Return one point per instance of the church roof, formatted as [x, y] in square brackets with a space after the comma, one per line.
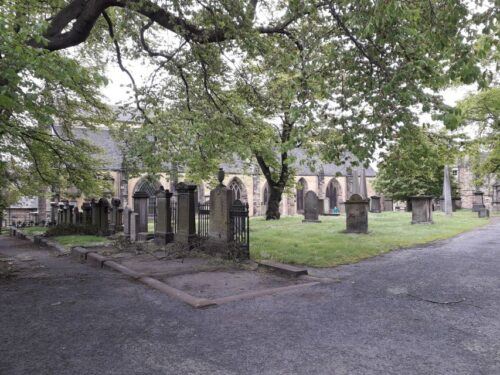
[112, 157]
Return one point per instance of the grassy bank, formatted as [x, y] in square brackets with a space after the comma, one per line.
[80, 240]
[324, 245]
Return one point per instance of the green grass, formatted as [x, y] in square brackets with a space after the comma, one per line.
[324, 245]
[32, 231]
[80, 240]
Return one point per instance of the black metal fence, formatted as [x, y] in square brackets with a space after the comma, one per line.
[240, 225]
[203, 219]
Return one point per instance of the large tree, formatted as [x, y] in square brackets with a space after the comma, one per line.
[414, 161]
[262, 77]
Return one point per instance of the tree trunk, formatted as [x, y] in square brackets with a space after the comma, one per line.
[273, 204]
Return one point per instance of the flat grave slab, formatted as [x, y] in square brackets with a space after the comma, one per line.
[217, 284]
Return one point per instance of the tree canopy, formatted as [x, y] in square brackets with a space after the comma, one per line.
[256, 78]
[414, 164]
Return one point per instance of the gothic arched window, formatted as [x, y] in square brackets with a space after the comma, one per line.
[237, 190]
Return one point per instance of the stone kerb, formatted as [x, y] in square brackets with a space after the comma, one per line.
[311, 208]
[356, 214]
[421, 212]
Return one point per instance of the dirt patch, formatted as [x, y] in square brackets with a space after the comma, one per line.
[217, 284]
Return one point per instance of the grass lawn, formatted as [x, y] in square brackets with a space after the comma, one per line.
[32, 231]
[324, 245]
[80, 240]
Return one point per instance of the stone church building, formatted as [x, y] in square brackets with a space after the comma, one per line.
[330, 182]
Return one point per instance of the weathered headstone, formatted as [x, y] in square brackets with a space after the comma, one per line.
[421, 212]
[477, 201]
[86, 214]
[141, 209]
[134, 224]
[186, 213]
[76, 216]
[363, 191]
[356, 209]
[375, 204]
[355, 182]
[53, 213]
[311, 208]
[388, 204]
[70, 213]
[220, 204]
[127, 212]
[116, 225]
[456, 203]
[94, 213]
[483, 212]
[447, 192]
[163, 228]
[326, 206]
[103, 223]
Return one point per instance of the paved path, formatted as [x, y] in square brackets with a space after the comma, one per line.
[430, 310]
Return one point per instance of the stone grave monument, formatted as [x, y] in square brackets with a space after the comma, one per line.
[186, 213]
[221, 199]
[375, 204]
[163, 228]
[311, 208]
[356, 209]
[421, 209]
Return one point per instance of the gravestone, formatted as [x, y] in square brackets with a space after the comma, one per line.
[134, 224]
[60, 214]
[375, 204]
[127, 212]
[421, 212]
[388, 204]
[163, 228]
[362, 182]
[186, 213]
[447, 208]
[219, 224]
[103, 223]
[326, 206]
[456, 203]
[86, 214]
[356, 209]
[116, 223]
[94, 213]
[66, 219]
[477, 201]
[311, 208]
[483, 212]
[355, 182]
[76, 216]
[53, 213]
[70, 213]
[141, 209]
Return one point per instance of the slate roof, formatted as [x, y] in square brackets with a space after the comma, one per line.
[112, 157]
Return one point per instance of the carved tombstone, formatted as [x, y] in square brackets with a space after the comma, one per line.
[127, 212]
[86, 214]
[163, 228]
[375, 204]
[421, 209]
[221, 199]
[186, 213]
[483, 212]
[477, 202]
[141, 208]
[356, 209]
[388, 204]
[76, 216]
[134, 224]
[116, 225]
[53, 213]
[103, 221]
[311, 208]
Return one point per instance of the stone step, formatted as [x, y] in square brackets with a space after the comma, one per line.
[283, 268]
